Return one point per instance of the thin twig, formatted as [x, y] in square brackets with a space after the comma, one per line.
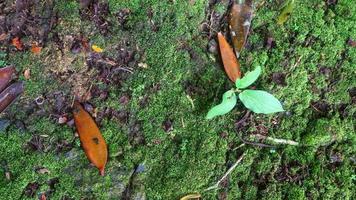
[254, 143]
[226, 174]
[241, 145]
[279, 141]
[296, 63]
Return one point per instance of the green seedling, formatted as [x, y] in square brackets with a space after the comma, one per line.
[258, 101]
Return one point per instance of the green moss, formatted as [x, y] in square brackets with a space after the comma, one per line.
[194, 156]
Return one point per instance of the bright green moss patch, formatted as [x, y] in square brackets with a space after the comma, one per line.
[180, 81]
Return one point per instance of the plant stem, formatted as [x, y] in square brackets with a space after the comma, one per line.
[279, 141]
[216, 185]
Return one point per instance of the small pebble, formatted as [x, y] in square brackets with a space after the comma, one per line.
[62, 120]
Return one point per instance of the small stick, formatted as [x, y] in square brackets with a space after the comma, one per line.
[226, 174]
[279, 141]
[297, 63]
[241, 145]
[191, 101]
[254, 143]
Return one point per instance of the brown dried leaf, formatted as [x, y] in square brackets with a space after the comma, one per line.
[17, 43]
[27, 74]
[3, 36]
[239, 24]
[6, 75]
[9, 95]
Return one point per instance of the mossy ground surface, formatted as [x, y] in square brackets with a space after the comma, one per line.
[310, 51]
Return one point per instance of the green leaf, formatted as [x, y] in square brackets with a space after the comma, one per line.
[286, 12]
[227, 104]
[248, 79]
[260, 101]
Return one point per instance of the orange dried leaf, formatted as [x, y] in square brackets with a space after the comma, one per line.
[17, 43]
[239, 24]
[231, 64]
[96, 48]
[92, 141]
[35, 48]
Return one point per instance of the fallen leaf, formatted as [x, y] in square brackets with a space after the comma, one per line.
[27, 74]
[85, 44]
[6, 75]
[17, 43]
[35, 48]
[42, 170]
[91, 139]
[9, 95]
[287, 10]
[43, 196]
[231, 64]
[3, 36]
[96, 48]
[191, 196]
[239, 24]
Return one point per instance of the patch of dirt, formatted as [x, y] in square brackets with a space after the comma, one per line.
[321, 108]
[292, 172]
[279, 78]
[31, 189]
[136, 136]
[122, 16]
[97, 12]
[26, 18]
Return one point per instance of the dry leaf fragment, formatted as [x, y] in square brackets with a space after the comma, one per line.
[27, 74]
[91, 139]
[43, 170]
[96, 48]
[6, 75]
[3, 36]
[35, 49]
[231, 64]
[239, 24]
[17, 43]
[191, 196]
[85, 44]
[43, 196]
